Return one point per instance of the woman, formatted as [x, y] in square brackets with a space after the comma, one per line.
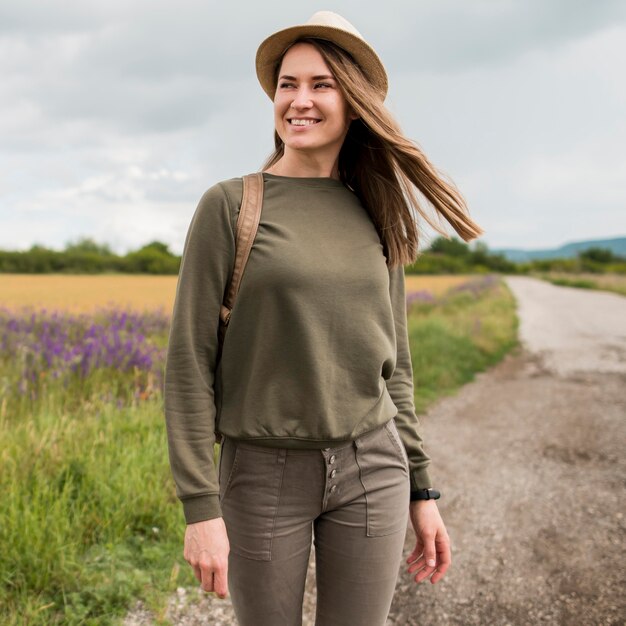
[313, 391]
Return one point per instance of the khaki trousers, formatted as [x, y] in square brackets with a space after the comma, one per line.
[353, 500]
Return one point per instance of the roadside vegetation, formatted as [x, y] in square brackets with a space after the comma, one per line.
[88, 257]
[89, 521]
[592, 268]
[587, 280]
[465, 330]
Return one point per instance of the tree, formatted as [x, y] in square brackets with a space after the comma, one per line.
[450, 247]
[599, 255]
[88, 245]
[153, 258]
[158, 247]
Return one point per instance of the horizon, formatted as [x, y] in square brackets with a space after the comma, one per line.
[470, 244]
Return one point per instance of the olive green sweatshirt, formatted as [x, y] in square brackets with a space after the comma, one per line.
[316, 351]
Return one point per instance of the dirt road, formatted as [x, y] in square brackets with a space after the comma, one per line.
[529, 458]
[530, 461]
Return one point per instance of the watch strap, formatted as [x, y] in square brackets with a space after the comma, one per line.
[425, 494]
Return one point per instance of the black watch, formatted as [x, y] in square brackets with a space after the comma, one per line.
[425, 494]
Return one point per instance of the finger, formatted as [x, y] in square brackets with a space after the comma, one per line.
[220, 581]
[423, 570]
[444, 560]
[430, 552]
[424, 573]
[440, 571]
[417, 551]
[197, 572]
[421, 562]
[438, 575]
[413, 556]
[444, 556]
[207, 579]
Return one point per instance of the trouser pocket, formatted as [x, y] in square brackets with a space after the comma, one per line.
[394, 435]
[383, 470]
[249, 497]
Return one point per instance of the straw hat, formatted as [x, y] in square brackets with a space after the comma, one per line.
[323, 25]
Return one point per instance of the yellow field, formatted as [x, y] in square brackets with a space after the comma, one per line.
[437, 285]
[139, 292]
[78, 293]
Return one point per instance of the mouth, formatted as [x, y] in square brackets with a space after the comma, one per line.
[303, 121]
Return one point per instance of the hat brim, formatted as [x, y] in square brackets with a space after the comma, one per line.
[273, 47]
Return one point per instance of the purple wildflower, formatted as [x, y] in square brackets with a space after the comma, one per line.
[66, 346]
[475, 286]
[422, 296]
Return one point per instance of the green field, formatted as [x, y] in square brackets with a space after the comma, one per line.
[89, 521]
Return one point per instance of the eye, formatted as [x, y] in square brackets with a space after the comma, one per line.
[286, 84]
[323, 85]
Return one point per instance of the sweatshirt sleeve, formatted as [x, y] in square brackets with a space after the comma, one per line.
[189, 405]
[400, 387]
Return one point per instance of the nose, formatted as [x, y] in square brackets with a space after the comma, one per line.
[302, 100]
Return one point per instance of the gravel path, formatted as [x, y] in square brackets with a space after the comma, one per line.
[529, 460]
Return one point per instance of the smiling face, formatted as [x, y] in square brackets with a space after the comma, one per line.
[310, 111]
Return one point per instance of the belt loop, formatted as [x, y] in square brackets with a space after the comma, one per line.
[282, 455]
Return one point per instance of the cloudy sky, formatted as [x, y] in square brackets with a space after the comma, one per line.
[116, 116]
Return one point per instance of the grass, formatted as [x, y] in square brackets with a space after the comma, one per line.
[89, 519]
[90, 522]
[454, 338]
[615, 283]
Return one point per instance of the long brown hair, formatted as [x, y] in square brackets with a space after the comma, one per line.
[384, 168]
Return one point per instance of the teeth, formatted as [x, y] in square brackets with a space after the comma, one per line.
[303, 122]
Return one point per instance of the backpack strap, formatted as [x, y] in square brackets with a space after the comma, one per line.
[247, 225]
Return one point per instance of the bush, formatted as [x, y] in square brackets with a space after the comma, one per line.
[87, 257]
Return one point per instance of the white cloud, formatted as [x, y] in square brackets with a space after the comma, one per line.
[116, 117]
[536, 145]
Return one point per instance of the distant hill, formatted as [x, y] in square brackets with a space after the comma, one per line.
[569, 250]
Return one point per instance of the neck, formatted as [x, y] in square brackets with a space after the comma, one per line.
[302, 166]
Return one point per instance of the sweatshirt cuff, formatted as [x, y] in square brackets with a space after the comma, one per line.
[201, 508]
[420, 479]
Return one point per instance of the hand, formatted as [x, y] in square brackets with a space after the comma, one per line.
[206, 550]
[432, 548]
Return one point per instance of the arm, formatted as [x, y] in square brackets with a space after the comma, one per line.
[431, 555]
[206, 266]
[400, 387]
